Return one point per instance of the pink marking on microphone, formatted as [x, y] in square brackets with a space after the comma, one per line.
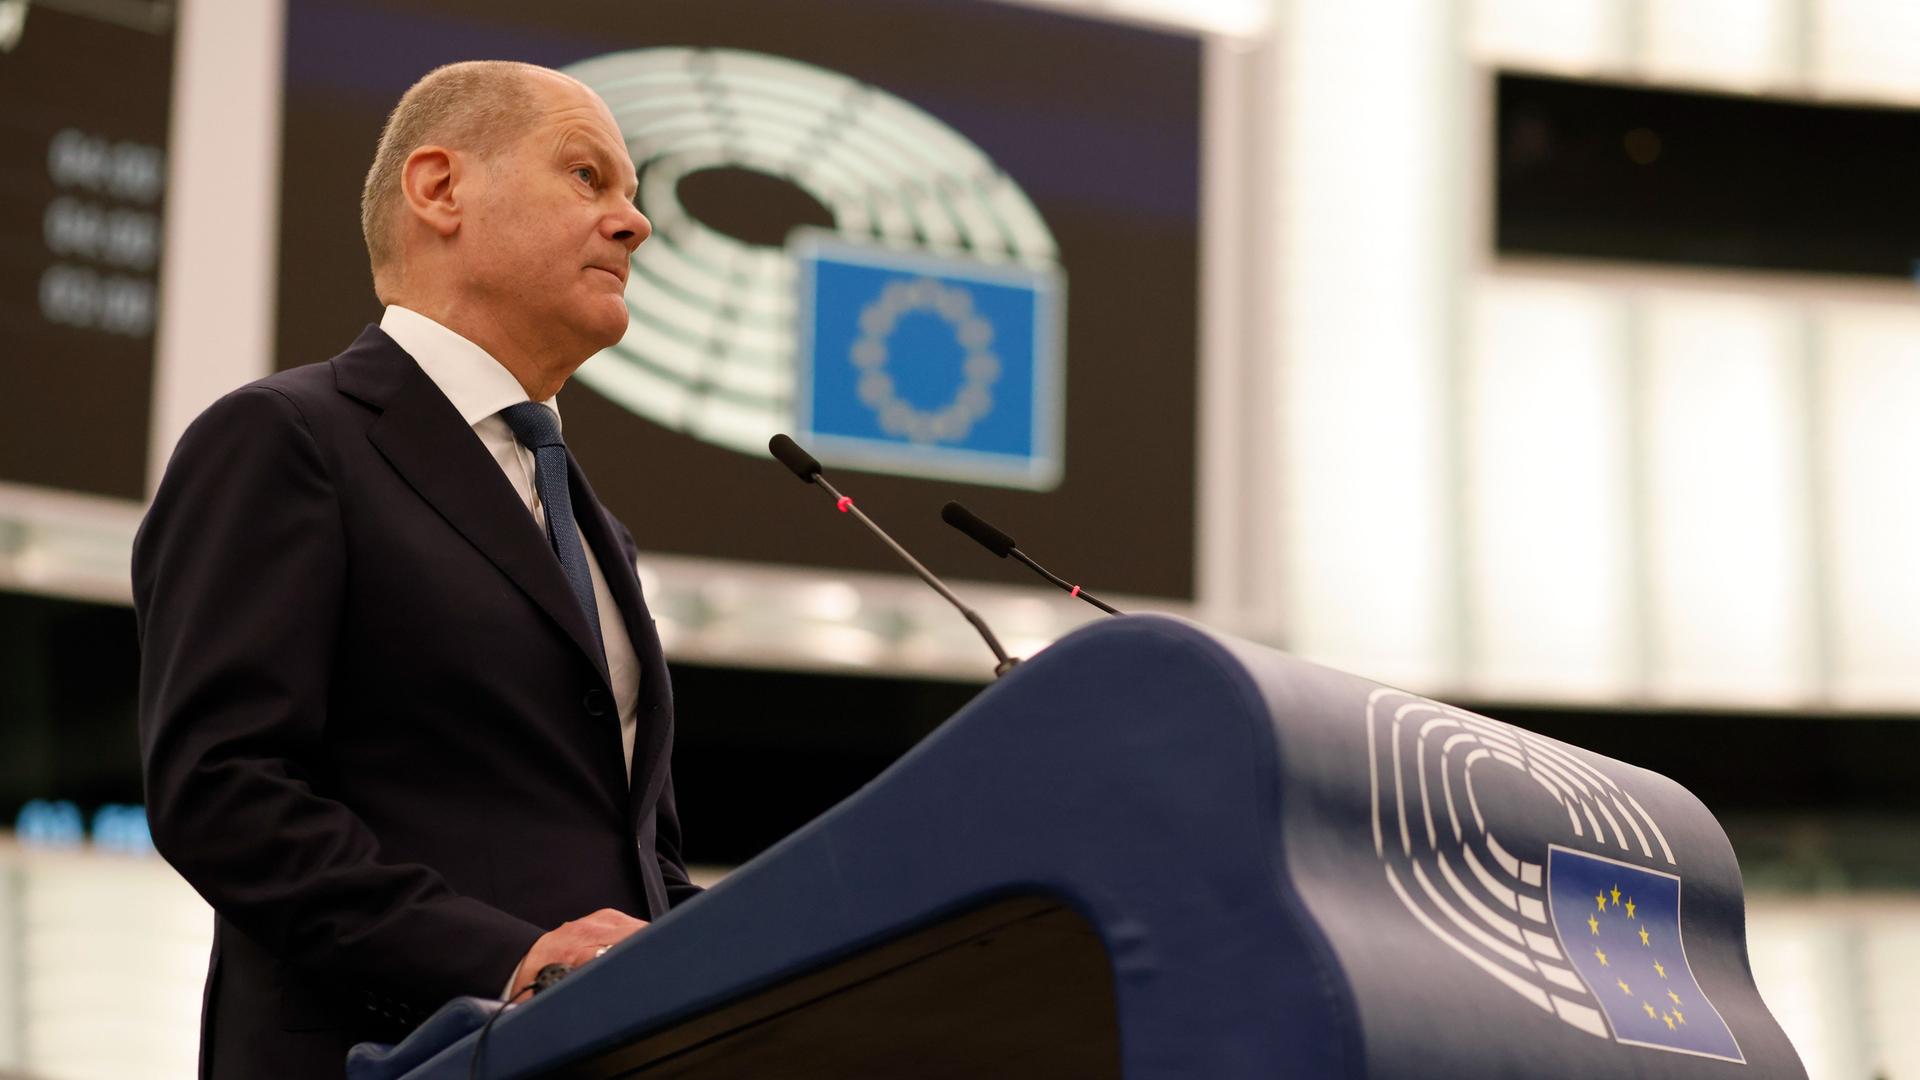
[844, 504]
[1075, 592]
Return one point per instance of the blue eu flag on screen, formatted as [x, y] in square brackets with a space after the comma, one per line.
[929, 365]
[1620, 927]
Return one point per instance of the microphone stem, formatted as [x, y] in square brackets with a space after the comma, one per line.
[1063, 584]
[999, 654]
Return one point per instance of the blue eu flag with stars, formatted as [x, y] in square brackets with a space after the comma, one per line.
[1620, 927]
[928, 365]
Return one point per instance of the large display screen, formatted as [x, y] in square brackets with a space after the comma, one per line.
[950, 244]
[84, 93]
[1656, 175]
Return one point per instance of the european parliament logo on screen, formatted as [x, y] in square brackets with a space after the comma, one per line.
[924, 365]
[919, 335]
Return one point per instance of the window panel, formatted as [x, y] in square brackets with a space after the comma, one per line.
[1870, 391]
[1724, 456]
[1547, 502]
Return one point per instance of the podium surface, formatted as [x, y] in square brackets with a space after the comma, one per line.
[1155, 851]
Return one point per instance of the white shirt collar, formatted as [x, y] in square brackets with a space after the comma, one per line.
[471, 378]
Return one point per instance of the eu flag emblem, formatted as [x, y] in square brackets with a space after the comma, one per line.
[1619, 925]
[927, 365]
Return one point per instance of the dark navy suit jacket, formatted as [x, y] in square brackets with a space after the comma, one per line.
[377, 735]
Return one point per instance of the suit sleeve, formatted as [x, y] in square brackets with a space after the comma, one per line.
[666, 846]
[238, 572]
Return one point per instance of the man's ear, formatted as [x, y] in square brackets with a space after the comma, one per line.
[429, 183]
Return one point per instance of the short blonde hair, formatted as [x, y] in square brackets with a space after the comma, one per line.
[480, 106]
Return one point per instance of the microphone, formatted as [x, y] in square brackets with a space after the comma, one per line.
[1002, 545]
[790, 455]
[807, 469]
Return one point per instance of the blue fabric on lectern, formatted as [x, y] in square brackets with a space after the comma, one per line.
[451, 1022]
[1295, 872]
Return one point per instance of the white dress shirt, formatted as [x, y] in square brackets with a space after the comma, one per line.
[479, 388]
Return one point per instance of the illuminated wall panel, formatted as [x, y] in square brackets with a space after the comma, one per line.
[11, 1050]
[1870, 393]
[1546, 483]
[1363, 325]
[1727, 558]
[1568, 35]
[1866, 48]
[1801, 962]
[1840, 976]
[1891, 985]
[1737, 44]
[112, 951]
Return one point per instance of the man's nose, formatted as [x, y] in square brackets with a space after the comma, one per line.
[630, 227]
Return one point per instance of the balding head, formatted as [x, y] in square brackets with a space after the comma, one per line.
[477, 106]
[500, 205]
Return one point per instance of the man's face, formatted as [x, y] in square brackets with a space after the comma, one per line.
[546, 242]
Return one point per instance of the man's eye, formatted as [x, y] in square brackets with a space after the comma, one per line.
[585, 173]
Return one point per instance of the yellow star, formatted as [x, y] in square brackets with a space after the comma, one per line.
[1643, 936]
[1668, 1017]
[1629, 907]
[1659, 968]
[1602, 901]
[1593, 924]
[1674, 996]
[1616, 896]
[1649, 1008]
[1602, 957]
[1622, 984]
[1678, 1016]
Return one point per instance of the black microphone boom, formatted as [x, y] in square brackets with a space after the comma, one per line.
[1002, 545]
[806, 468]
[794, 458]
[984, 534]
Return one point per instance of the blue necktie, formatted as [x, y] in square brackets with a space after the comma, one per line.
[538, 429]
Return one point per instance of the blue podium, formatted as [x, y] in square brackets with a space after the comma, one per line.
[1152, 851]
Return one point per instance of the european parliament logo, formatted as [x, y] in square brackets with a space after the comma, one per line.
[1589, 939]
[955, 372]
[1620, 926]
[928, 365]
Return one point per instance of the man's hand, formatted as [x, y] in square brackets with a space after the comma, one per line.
[574, 943]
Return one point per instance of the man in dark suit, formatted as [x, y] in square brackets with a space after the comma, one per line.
[404, 716]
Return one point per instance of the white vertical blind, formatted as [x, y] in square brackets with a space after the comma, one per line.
[1547, 501]
[1802, 962]
[1571, 36]
[1363, 104]
[112, 952]
[1728, 563]
[1735, 44]
[1890, 985]
[12, 1053]
[1866, 48]
[1841, 975]
[1870, 393]
[218, 262]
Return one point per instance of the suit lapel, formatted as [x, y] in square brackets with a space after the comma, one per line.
[423, 437]
[652, 722]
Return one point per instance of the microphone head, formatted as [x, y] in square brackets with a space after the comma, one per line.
[984, 534]
[793, 457]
